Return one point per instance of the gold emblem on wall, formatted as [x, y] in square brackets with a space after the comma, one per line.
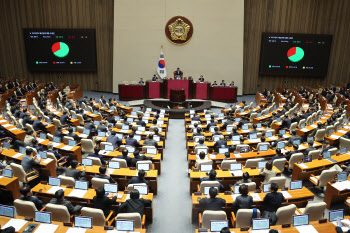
[179, 30]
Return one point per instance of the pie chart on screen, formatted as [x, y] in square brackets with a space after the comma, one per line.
[60, 49]
[295, 54]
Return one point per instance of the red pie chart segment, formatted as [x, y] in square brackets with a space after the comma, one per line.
[55, 47]
[291, 51]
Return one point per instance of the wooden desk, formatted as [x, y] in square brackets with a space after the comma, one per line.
[317, 166]
[299, 197]
[12, 130]
[12, 185]
[333, 195]
[61, 228]
[123, 175]
[74, 153]
[226, 178]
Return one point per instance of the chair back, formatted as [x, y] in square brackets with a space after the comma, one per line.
[333, 150]
[294, 159]
[320, 134]
[49, 136]
[315, 154]
[56, 123]
[122, 162]
[315, 210]
[238, 147]
[252, 163]
[98, 182]
[208, 184]
[131, 186]
[328, 129]
[293, 126]
[29, 127]
[95, 161]
[118, 125]
[251, 186]
[103, 144]
[302, 121]
[252, 116]
[19, 172]
[149, 162]
[326, 176]
[66, 180]
[226, 164]
[131, 216]
[80, 129]
[59, 213]
[244, 217]
[52, 156]
[87, 146]
[66, 139]
[344, 143]
[25, 208]
[80, 118]
[279, 164]
[98, 217]
[285, 214]
[205, 162]
[279, 180]
[209, 215]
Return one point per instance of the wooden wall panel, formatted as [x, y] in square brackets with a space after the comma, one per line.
[18, 14]
[296, 16]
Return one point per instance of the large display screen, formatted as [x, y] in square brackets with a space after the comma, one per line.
[60, 49]
[294, 54]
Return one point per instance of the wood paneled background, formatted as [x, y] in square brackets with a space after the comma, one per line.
[296, 16]
[18, 14]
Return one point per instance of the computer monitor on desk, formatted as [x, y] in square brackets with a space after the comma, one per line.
[42, 217]
[142, 166]
[335, 215]
[83, 222]
[206, 167]
[124, 225]
[143, 189]
[260, 224]
[263, 148]
[53, 181]
[342, 177]
[111, 188]
[217, 225]
[300, 220]
[298, 184]
[83, 185]
[206, 189]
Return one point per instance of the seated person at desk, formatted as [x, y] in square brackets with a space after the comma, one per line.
[201, 79]
[326, 146]
[243, 201]
[29, 137]
[139, 179]
[75, 173]
[202, 158]
[254, 130]
[97, 155]
[58, 199]
[58, 156]
[154, 78]
[28, 162]
[138, 157]
[131, 141]
[135, 204]
[280, 139]
[212, 122]
[115, 140]
[150, 141]
[272, 201]
[200, 143]
[140, 121]
[295, 150]
[103, 202]
[221, 143]
[246, 179]
[268, 172]
[286, 122]
[319, 126]
[125, 156]
[216, 130]
[223, 84]
[27, 195]
[234, 132]
[228, 122]
[198, 133]
[279, 155]
[103, 175]
[73, 135]
[35, 145]
[212, 203]
[228, 155]
[212, 177]
[294, 137]
[156, 133]
[64, 118]
[178, 74]
[141, 82]
[58, 132]
[38, 125]
[196, 117]
[311, 148]
[214, 84]
[232, 84]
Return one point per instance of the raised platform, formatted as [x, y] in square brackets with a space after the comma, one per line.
[174, 109]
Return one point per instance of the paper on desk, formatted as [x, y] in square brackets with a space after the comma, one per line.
[47, 160]
[285, 136]
[67, 148]
[54, 189]
[238, 155]
[46, 228]
[346, 127]
[255, 196]
[306, 228]
[123, 131]
[304, 130]
[335, 136]
[110, 170]
[115, 231]
[83, 135]
[237, 173]
[77, 193]
[254, 140]
[212, 156]
[345, 229]
[303, 165]
[12, 129]
[76, 230]
[7, 125]
[342, 185]
[1, 177]
[273, 138]
[260, 231]
[16, 223]
[234, 196]
[342, 131]
[17, 155]
[56, 144]
[2, 121]
[284, 150]
[286, 194]
[127, 197]
[40, 140]
[246, 131]
[302, 147]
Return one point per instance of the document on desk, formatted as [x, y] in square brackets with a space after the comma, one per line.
[212, 156]
[16, 223]
[2, 121]
[83, 135]
[127, 197]
[56, 144]
[301, 147]
[7, 125]
[246, 131]
[304, 130]
[346, 127]
[286, 194]
[1, 177]
[342, 131]
[45, 161]
[342, 185]
[254, 140]
[54, 189]
[345, 229]
[237, 173]
[255, 196]
[76, 230]
[110, 170]
[46, 228]
[238, 155]
[335, 136]
[77, 193]
[123, 131]
[306, 228]
[17, 155]
[285, 136]
[12, 129]
[303, 165]
[68, 148]
[40, 140]
[273, 138]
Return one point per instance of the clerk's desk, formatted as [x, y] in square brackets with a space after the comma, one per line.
[61, 228]
[12, 185]
[123, 175]
[300, 198]
[41, 191]
[47, 166]
[333, 195]
[320, 227]
[315, 167]
[226, 178]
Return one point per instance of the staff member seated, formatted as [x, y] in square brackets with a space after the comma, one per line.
[138, 180]
[272, 202]
[223, 84]
[178, 74]
[135, 204]
[212, 177]
[27, 195]
[102, 202]
[212, 203]
[59, 200]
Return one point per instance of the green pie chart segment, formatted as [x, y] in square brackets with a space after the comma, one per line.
[295, 54]
[60, 49]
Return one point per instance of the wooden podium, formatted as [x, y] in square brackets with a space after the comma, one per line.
[177, 96]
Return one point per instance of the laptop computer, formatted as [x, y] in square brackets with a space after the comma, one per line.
[266, 188]
[42, 136]
[245, 127]
[310, 139]
[236, 189]
[263, 148]
[342, 177]
[7, 211]
[101, 134]
[235, 166]
[216, 138]
[236, 138]
[110, 188]
[83, 222]
[124, 225]
[114, 165]
[300, 220]
[297, 184]
[142, 166]
[262, 164]
[335, 215]
[86, 131]
[42, 217]
[222, 151]
[217, 225]
[53, 181]
[130, 149]
[206, 189]
[296, 142]
[260, 224]
[137, 137]
[327, 155]
[96, 123]
[87, 162]
[143, 189]
[282, 131]
[206, 167]
[84, 185]
[6, 145]
[22, 150]
[7, 173]
[229, 128]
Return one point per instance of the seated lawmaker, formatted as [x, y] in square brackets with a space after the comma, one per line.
[202, 158]
[97, 155]
[268, 172]
[223, 84]
[244, 201]
[103, 202]
[75, 173]
[212, 203]
[58, 199]
[212, 177]
[272, 201]
[27, 195]
[135, 204]
[125, 156]
[102, 175]
[139, 179]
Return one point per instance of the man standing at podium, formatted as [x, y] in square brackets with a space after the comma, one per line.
[178, 74]
[201, 79]
[154, 78]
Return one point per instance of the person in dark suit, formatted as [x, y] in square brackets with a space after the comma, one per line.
[27, 120]
[38, 125]
[201, 79]
[125, 156]
[103, 175]
[319, 126]
[131, 141]
[114, 139]
[58, 132]
[102, 202]
[294, 137]
[286, 122]
[150, 141]
[27, 195]
[58, 156]
[212, 123]
[295, 118]
[17, 111]
[278, 155]
[223, 84]
[140, 121]
[221, 143]
[196, 118]
[243, 201]
[246, 179]
[234, 132]
[295, 150]
[73, 135]
[138, 180]
[272, 201]
[58, 199]
[326, 146]
[103, 99]
[228, 122]
[311, 148]
[2, 90]
[135, 204]
[254, 130]
[28, 162]
[141, 82]
[96, 155]
[65, 118]
[154, 78]
[75, 173]
[138, 157]
[212, 203]
[216, 130]
[16, 83]
[212, 177]
[23, 90]
[178, 73]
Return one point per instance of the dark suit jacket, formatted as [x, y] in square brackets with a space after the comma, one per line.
[27, 120]
[28, 163]
[38, 203]
[127, 159]
[67, 204]
[114, 140]
[311, 148]
[64, 119]
[110, 179]
[134, 206]
[73, 135]
[58, 134]
[243, 202]
[210, 125]
[293, 138]
[98, 156]
[273, 201]
[132, 142]
[150, 142]
[139, 158]
[75, 173]
[104, 204]
[141, 122]
[218, 144]
[212, 203]
[37, 125]
[295, 119]
[136, 180]
[286, 124]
